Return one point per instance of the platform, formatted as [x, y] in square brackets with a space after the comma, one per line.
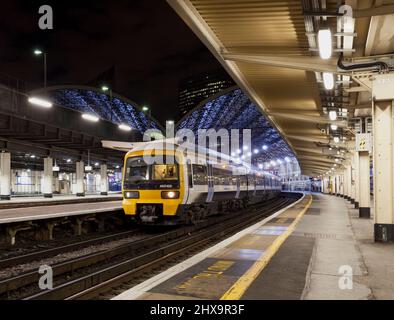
[57, 211]
[316, 249]
[32, 201]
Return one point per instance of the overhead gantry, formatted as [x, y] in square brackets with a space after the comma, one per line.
[321, 73]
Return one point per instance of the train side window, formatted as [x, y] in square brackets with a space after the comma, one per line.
[199, 174]
[259, 180]
[222, 177]
[243, 181]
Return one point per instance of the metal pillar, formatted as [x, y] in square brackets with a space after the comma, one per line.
[365, 192]
[352, 181]
[5, 176]
[345, 183]
[56, 183]
[333, 185]
[383, 138]
[48, 178]
[37, 185]
[349, 181]
[80, 175]
[103, 180]
[356, 180]
[341, 185]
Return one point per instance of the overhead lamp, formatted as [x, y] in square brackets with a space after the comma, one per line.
[261, 166]
[265, 148]
[124, 127]
[38, 52]
[332, 115]
[105, 88]
[239, 151]
[336, 160]
[256, 151]
[249, 154]
[328, 80]
[40, 102]
[287, 159]
[145, 108]
[334, 127]
[245, 147]
[324, 40]
[68, 160]
[90, 117]
[336, 139]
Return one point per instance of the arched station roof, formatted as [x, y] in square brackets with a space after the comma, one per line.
[106, 105]
[232, 109]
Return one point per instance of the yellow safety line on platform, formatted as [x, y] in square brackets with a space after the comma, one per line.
[242, 284]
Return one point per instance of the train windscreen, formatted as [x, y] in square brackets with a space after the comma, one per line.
[140, 175]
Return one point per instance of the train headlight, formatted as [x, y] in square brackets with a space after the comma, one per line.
[170, 194]
[132, 195]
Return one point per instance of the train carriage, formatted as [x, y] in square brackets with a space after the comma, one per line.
[161, 185]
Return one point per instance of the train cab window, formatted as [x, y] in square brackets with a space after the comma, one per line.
[141, 175]
[199, 174]
[165, 172]
[136, 169]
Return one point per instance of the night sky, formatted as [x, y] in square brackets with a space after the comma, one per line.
[148, 44]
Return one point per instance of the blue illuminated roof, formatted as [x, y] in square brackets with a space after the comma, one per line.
[116, 110]
[234, 110]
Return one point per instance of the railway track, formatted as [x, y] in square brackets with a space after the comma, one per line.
[41, 254]
[97, 273]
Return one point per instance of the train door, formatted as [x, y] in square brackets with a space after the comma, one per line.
[238, 187]
[210, 183]
[254, 185]
[250, 185]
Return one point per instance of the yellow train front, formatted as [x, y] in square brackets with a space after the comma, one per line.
[161, 187]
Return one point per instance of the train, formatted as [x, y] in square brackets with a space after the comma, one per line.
[163, 185]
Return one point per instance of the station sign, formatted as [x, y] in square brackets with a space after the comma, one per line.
[363, 142]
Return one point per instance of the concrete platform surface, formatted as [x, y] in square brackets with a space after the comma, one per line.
[56, 211]
[225, 270]
[328, 252]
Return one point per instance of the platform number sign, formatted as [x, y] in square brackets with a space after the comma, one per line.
[363, 142]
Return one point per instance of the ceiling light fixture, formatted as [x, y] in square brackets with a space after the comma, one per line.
[324, 39]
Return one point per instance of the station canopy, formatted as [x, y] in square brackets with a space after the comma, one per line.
[271, 50]
[106, 105]
[234, 110]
